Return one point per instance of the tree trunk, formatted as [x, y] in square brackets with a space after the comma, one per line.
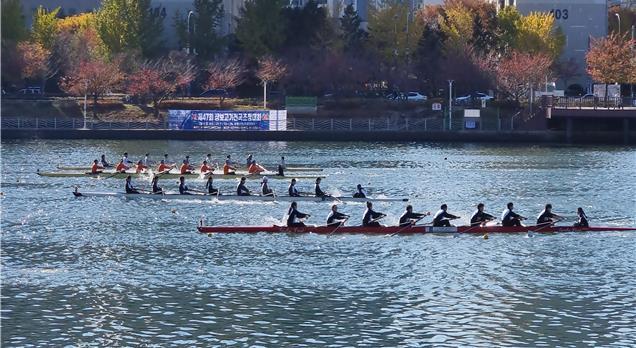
[95, 96]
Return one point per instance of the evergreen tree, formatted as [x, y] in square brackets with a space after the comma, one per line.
[207, 18]
[260, 27]
[13, 27]
[352, 36]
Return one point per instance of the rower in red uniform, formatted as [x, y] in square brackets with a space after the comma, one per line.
[96, 168]
[121, 167]
[163, 167]
[185, 168]
[140, 167]
[205, 168]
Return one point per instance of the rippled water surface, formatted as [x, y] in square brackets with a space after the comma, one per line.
[110, 271]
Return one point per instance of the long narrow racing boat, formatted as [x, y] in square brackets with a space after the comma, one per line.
[112, 174]
[405, 230]
[199, 196]
[287, 169]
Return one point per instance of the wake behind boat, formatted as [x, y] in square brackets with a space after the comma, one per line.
[201, 196]
[408, 230]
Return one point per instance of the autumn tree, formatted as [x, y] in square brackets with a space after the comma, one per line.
[534, 33]
[519, 72]
[225, 74]
[611, 60]
[158, 79]
[269, 70]
[93, 78]
[77, 41]
[44, 26]
[260, 28]
[36, 62]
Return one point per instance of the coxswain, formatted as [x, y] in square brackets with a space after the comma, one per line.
[205, 168]
[294, 216]
[228, 167]
[319, 191]
[241, 190]
[265, 190]
[140, 167]
[442, 217]
[125, 159]
[360, 192]
[291, 190]
[96, 168]
[281, 166]
[104, 163]
[155, 185]
[480, 217]
[547, 216]
[410, 218]
[209, 187]
[121, 167]
[510, 218]
[185, 168]
[370, 217]
[183, 188]
[163, 167]
[582, 222]
[335, 217]
[129, 186]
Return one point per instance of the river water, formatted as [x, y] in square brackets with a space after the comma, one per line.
[116, 272]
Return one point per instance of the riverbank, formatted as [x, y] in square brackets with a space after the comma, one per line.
[558, 137]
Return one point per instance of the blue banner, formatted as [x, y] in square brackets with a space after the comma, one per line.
[218, 120]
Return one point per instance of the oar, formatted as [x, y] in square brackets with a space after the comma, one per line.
[410, 224]
[339, 225]
[115, 173]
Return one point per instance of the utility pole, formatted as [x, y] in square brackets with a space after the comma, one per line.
[85, 92]
[450, 104]
[619, 23]
[189, 46]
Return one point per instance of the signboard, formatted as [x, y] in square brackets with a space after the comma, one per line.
[301, 105]
[437, 106]
[255, 120]
[613, 90]
[471, 113]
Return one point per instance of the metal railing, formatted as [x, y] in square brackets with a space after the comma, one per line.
[293, 124]
[593, 103]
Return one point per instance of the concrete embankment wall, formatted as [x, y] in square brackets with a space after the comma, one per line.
[455, 136]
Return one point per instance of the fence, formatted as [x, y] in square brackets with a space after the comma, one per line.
[593, 102]
[296, 124]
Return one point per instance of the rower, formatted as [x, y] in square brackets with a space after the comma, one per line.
[208, 158]
[370, 217]
[163, 167]
[96, 168]
[140, 167]
[165, 158]
[121, 167]
[147, 161]
[480, 217]
[410, 218]
[125, 159]
[582, 222]
[360, 192]
[185, 168]
[249, 161]
[241, 190]
[155, 185]
[104, 163]
[265, 190]
[292, 191]
[183, 188]
[281, 166]
[205, 168]
[129, 186]
[228, 167]
[187, 161]
[210, 188]
[335, 217]
[442, 217]
[547, 216]
[255, 168]
[294, 216]
[510, 218]
[318, 190]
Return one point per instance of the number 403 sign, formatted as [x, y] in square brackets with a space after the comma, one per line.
[560, 14]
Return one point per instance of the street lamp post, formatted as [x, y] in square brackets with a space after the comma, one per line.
[189, 33]
[619, 22]
[85, 92]
[450, 104]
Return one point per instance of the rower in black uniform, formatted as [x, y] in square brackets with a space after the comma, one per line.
[183, 188]
[209, 186]
[360, 192]
[292, 191]
[370, 217]
[319, 191]
[510, 218]
[281, 166]
[547, 216]
[105, 163]
[480, 217]
[409, 217]
[582, 218]
[155, 185]
[442, 217]
[335, 217]
[129, 186]
[241, 190]
[294, 216]
[265, 190]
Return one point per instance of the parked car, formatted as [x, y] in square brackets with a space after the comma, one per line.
[30, 90]
[473, 97]
[415, 96]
